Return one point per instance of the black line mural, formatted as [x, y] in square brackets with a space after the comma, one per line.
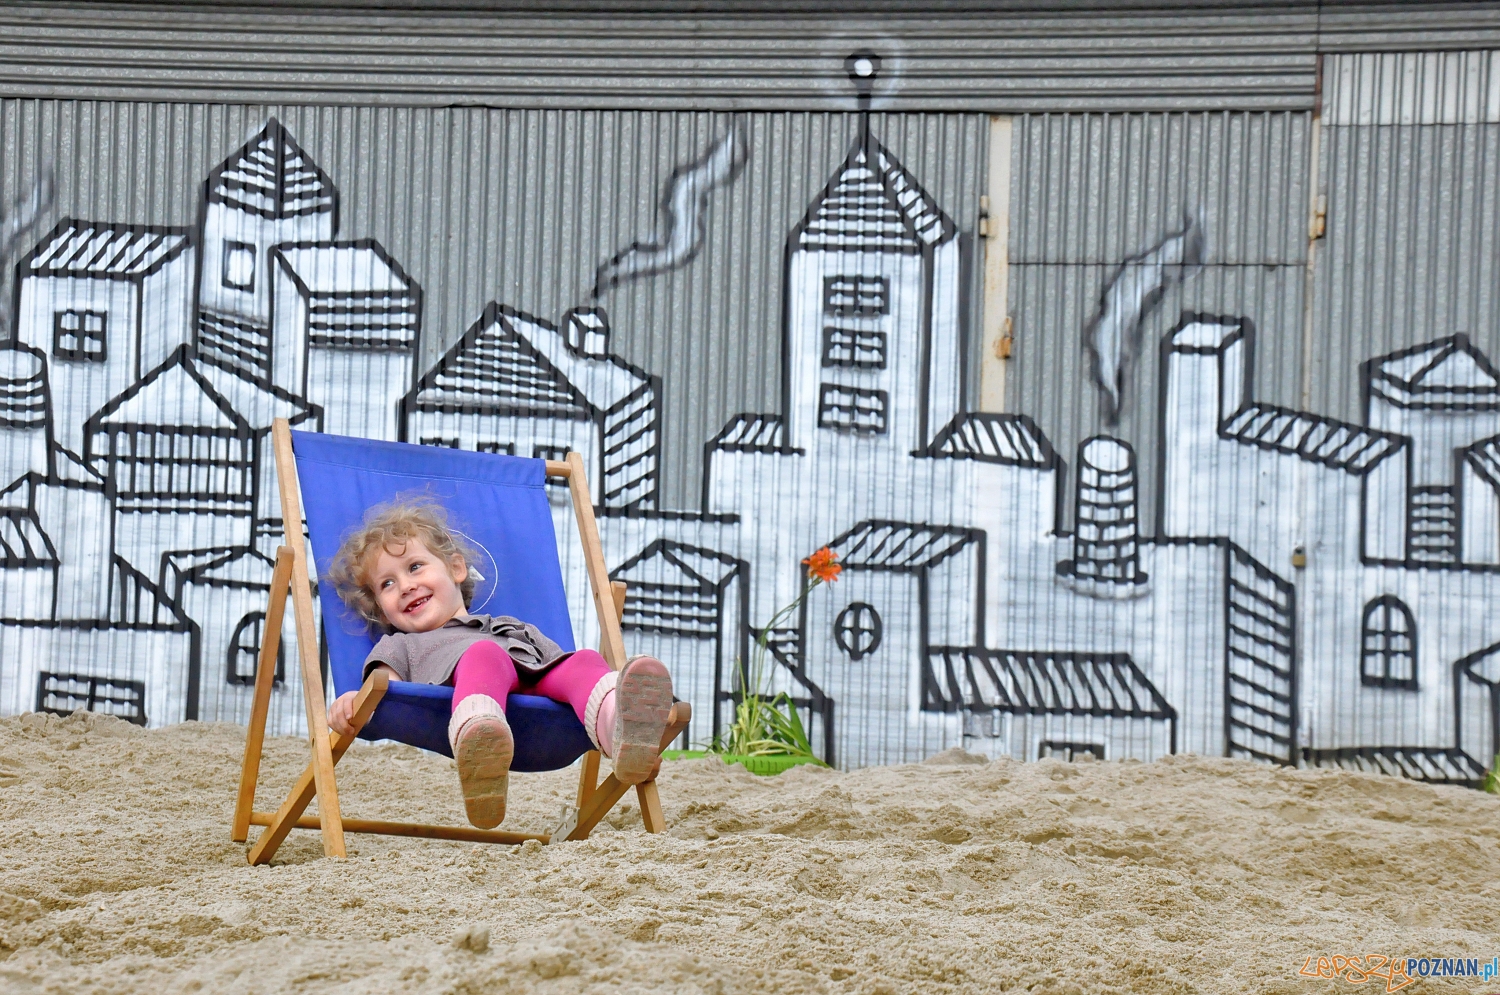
[138, 521]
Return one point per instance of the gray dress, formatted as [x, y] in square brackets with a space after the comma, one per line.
[429, 657]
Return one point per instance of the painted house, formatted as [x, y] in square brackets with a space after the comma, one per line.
[953, 622]
[346, 329]
[77, 600]
[1397, 620]
[103, 303]
[140, 457]
[517, 384]
[267, 193]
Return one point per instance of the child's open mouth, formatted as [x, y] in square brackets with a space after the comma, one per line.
[417, 605]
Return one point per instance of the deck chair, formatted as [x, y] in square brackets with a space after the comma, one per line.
[500, 504]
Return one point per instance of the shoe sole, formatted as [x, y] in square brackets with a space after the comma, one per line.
[485, 750]
[643, 703]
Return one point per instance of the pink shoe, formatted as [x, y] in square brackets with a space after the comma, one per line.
[643, 704]
[483, 748]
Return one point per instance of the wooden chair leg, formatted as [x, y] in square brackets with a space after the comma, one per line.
[265, 674]
[307, 641]
[580, 823]
[650, 801]
[588, 777]
[285, 819]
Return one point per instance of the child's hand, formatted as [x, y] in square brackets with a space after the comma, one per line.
[341, 714]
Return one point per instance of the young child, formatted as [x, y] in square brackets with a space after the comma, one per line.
[406, 573]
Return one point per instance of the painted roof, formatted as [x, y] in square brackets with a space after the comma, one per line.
[493, 369]
[197, 396]
[357, 295]
[752, 433]
[271, 176]
[104, 250]
[174, 394]
[1024, 682]
[344, 268]
[1446, 374]
[1484, 457]
[1316, 439]
[873, 205]
[674, 588]
[994, 438]
[22, 541]
[882, 545]
[222, 566]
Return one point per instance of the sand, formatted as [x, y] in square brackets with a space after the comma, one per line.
[1188, 875]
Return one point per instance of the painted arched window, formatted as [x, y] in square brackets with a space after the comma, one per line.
[1388, 645]
[244, 651]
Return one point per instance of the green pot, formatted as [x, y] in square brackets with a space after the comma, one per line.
[765, 766]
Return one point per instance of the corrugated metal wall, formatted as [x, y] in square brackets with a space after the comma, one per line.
[1411, 155]
[1248, 574]
[1090, 191]
[521, 207]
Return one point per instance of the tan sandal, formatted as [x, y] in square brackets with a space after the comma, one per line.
[483, 748]
[643, 705]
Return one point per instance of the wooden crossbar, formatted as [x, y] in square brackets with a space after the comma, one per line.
[265, 674]
[327, 748]
[420, 830]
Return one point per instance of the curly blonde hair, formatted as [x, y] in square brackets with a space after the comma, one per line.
[390, 527]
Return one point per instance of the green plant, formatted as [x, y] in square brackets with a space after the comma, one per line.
[769, 725]
[1492, 777]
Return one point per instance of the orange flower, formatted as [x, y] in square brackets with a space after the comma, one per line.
[820, 565]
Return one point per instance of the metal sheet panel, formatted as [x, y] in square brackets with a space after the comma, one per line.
[1413, 245]
[1091, 191]
[1411, 88]
[964, 58]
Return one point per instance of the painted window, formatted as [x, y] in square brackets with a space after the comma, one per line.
[196, 464]
[1388, 645]
[502, 448]
[852, 407]
[79, 335]
[239, 266]
[858, 630]
[856, 296]
[1069, 751]
[63, 694]
[853, 347]
[244, 651]
[442, 442]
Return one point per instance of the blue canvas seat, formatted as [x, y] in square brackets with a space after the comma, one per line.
[500, 505]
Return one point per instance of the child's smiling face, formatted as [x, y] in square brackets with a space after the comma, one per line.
[416, 590]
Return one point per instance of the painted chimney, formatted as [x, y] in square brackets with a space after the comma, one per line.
[1106, 559]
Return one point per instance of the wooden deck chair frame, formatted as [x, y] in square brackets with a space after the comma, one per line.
[291, 574]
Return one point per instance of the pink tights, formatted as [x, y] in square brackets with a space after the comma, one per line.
[485, 668]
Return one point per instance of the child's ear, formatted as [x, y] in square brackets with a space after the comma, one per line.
[458, 569]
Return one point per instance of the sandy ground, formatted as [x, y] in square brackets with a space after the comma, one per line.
[1189, 875]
